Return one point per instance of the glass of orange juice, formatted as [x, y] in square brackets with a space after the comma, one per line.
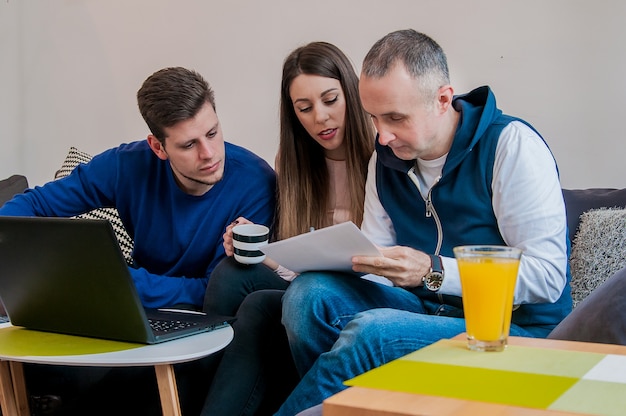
[488, 277]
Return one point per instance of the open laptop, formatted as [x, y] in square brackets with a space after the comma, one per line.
[69, 276]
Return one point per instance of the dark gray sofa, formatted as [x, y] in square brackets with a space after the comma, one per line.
[577, 202]
[12, 186]
[598, 265]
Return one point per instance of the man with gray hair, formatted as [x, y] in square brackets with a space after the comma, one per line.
[448, 171]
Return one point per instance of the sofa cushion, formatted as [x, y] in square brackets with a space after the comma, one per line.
[601, 317]
[73, 159]
[12, 186]
[578, 201]
[599, 250]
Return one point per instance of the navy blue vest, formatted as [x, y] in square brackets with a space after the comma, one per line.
[462, 198]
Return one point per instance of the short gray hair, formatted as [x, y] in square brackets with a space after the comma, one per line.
[422, 57]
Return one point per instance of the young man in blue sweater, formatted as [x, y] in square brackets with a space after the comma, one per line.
[448, 170]
[175, 193]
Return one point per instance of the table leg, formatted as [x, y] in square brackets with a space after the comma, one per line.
[168, 390]
[13, 396]
[19, 387]
[7, 398]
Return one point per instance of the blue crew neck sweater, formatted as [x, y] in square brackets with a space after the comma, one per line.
[177, 236]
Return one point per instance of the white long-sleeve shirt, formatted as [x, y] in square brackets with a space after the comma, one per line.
[529, 207]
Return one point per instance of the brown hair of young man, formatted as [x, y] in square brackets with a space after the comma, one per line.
[171, 95]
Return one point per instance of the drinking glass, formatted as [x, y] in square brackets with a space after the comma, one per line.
[488, 277]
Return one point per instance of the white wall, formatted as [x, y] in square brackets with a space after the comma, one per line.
[70, 69]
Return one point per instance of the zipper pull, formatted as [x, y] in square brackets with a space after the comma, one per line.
[429, 207]
[428, 200]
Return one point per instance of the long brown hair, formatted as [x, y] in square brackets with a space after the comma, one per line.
[303, 178]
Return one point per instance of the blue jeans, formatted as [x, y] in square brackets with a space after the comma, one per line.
[340, 326]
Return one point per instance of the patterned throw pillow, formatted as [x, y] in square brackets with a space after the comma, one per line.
[73, 159]
[598, 250]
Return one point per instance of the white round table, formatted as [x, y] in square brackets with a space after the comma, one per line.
[13, 396]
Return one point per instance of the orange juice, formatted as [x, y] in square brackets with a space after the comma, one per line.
[488, 286]
[488, 277]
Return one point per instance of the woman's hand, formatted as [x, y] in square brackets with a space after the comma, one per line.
[228, 235]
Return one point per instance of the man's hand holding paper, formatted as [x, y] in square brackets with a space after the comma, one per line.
[404, 266]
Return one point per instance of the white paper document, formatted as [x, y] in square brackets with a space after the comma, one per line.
[330, 248]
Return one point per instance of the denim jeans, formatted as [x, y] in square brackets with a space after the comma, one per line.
[340, 326]
[317, 306]
[256, 372]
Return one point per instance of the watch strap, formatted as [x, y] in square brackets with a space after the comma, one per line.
[436, 264]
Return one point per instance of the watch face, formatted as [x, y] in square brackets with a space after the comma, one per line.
[433, 281]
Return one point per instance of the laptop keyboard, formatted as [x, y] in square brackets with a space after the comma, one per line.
[161, 325]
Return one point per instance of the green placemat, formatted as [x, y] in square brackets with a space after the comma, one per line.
[514, 358]
[17, 341]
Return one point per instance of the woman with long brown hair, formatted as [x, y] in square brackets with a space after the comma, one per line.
[326, 140]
